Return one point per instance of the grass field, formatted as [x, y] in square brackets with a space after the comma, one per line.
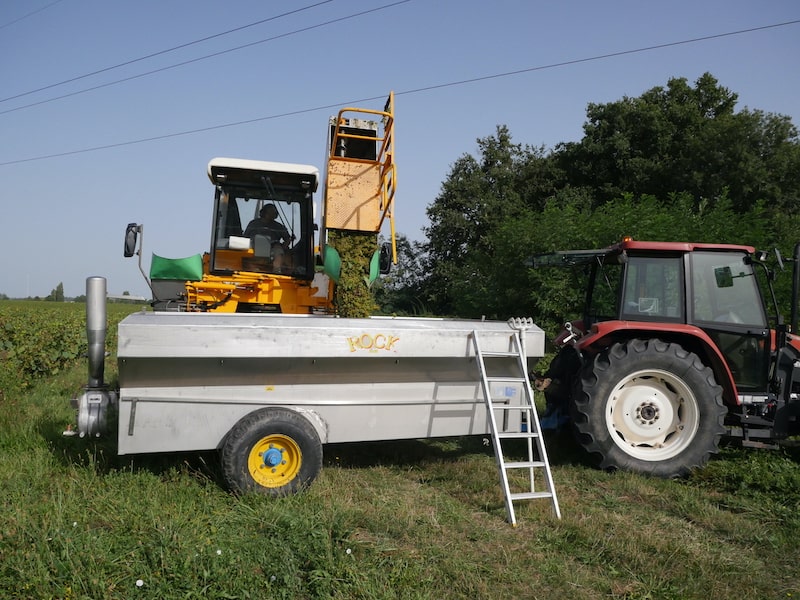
[415, 519]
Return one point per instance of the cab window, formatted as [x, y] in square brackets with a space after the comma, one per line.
[652, 289]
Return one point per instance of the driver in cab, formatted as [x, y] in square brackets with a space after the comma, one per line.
[267, 225]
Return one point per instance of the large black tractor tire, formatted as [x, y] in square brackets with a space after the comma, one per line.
[649, 406]
[273, 451]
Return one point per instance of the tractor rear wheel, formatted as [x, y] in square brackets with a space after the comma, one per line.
[649, 406]
[273, 451]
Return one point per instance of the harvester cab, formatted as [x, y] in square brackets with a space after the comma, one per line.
[263, 217]
[262, 241]
[267, 253]
[261, 257]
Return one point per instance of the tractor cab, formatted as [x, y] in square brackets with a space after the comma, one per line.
[675, 287]
[679, 343]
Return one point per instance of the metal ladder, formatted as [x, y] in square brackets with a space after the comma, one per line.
[527, 408]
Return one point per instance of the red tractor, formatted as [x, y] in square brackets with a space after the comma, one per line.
[677, 347]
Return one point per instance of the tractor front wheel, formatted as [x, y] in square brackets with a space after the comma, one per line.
[273, 451]
[649, 406]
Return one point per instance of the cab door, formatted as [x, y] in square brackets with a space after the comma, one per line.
[725, 301]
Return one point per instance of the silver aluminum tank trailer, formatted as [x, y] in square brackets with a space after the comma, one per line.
[269, 390]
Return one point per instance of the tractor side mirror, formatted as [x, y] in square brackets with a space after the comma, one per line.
[131, 237]
[385, 260]
[724, 277]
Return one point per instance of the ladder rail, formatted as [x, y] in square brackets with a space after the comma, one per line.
[523, 365]
[540, 445]
[498, 452]
[526, 406]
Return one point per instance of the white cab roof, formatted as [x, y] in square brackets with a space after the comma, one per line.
[216, 165]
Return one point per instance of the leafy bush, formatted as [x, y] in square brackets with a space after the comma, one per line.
[39, 339]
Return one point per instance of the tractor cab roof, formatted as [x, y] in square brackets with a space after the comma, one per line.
[612, 254]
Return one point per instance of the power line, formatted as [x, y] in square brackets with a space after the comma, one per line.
[401, 93]
[594, 58]
[25, 16]
[154, 54]
[193, 131]
[200, 58]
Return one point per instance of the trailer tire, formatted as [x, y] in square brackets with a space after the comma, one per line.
[272, 451]
[649, 406]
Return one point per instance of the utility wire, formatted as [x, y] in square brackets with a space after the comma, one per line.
[401, 93]
[200, 58]
[193, 131]
[154, 54]
[594, 58]
[30, 14]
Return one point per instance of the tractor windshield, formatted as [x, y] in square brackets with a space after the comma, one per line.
[726, 290]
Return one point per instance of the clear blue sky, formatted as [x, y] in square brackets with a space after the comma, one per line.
[64, 217]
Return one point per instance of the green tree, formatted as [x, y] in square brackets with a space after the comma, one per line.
[677, 163]
[56, 295]
[681, 138]
[480, 194]
[399, 291]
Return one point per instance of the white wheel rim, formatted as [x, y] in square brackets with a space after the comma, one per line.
[652, 415]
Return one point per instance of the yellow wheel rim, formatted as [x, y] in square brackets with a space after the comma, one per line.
[274, 461]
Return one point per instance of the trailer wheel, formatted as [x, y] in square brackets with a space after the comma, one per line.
[272, 451]
[649, 406]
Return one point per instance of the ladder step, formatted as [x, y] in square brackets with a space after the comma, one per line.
[531, 495]
[509, 379]
[517, 435]
[496, 404]
[525, 464]
[498, 354]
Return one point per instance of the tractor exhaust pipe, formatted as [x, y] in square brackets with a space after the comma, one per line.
[97, 400]
[96, 329]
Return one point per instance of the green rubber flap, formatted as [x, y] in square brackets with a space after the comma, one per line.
[375, 266]
[332, 263]
[186, 269]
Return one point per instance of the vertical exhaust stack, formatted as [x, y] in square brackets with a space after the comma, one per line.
[96, 401]
[96, 329]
